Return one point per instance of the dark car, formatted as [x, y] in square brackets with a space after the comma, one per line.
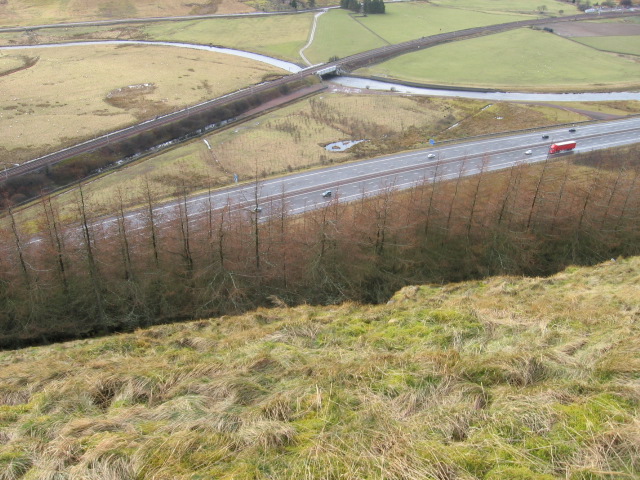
[545, 136]
[572, 130]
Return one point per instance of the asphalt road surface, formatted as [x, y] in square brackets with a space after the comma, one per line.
[302, 192]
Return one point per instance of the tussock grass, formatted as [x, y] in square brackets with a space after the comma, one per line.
[486, 379]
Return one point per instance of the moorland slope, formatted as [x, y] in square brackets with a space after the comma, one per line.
[508, 377]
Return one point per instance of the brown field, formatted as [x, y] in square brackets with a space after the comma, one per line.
[103, 88]
[37, 12]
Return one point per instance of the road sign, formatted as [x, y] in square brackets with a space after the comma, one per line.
[432, 141]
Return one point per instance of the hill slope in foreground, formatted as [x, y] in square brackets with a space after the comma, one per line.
[506, 378]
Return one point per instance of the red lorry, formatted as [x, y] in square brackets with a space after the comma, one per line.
[562, 147]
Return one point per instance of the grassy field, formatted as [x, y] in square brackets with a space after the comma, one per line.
[252, 34]
[494, 379]
[528, 7]
[45, 107]
[341, 33]
[293, 138]
[39, 12]
[542, 62]
[629, 45]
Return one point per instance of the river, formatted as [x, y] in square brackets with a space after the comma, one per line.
[363, 84]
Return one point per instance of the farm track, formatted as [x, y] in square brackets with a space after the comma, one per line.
[343, 65]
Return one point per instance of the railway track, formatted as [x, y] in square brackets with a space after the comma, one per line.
[349, 63]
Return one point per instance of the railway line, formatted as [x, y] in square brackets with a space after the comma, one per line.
[349, 63]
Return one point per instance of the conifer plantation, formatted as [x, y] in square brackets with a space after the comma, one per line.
[88, 277]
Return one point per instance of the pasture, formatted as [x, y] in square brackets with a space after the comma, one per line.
[342, 33]
[280, 37]
[528, 7]
[254, 34]
[74, 93]
[628, 45]
[523, 59]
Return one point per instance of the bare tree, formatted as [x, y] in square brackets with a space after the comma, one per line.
[537, 192]
[627, 197]
[461, 171]
[485, 161]
[594, 179]
[560, 197]
[19, 250]
[89, 250]
[434, 181]
[152, 223]
[123, 236]
[183, 208]
[255, 219]
[53, 229]
[612, 192]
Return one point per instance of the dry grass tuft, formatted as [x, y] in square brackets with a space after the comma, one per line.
[479, 380]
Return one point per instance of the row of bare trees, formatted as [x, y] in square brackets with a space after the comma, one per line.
[160, 265]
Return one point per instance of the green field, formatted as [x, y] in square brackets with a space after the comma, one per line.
[251, 34]
[629, 45]
[507, 378]
[342, 33]
[540, 62]
[549, 7]
[71, 94]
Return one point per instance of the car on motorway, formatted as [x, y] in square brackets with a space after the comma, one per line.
[256, 209]
[545, 136]
[326, 194]
[528, 152]
[572, 130]
[431, 155]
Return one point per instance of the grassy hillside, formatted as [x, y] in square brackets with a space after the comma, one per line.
[506, 378]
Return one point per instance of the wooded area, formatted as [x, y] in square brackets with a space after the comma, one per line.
[86, 279]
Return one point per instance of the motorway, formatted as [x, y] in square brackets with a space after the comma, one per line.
[302, 192]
